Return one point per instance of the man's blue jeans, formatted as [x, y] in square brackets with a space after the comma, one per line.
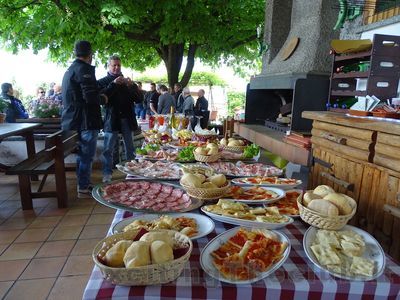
[110, 138]
[86, 152]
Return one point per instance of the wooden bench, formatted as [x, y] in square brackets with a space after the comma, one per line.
[49, 125]
[48, 161]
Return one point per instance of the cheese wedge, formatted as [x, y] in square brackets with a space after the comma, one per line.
[325, 255]
[351, 249]
[362, 266]
[328, 238]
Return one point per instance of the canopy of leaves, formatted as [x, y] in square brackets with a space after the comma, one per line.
[235, 100]
[142, 32]
[198, 78]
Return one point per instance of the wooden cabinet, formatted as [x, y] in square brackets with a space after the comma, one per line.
[379, 67]
[372, 182]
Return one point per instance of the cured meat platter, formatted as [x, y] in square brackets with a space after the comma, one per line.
[241, 169]
[145, 195]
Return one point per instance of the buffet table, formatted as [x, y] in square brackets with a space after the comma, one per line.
[297, 278]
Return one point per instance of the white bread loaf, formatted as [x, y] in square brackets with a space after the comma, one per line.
[308, 197]
[323, 190]
[341, 203]
[324, 207]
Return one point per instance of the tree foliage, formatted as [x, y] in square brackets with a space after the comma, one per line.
[142, 32]
[197, 78]
[235, 100]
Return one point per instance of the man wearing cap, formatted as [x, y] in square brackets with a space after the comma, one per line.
[81, 101]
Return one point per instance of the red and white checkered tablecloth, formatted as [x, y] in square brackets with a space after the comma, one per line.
[298, 278]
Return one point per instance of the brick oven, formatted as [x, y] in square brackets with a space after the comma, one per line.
[296, 66]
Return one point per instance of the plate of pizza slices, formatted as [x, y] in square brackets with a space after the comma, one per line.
[272, 181]
[254, 194]
[243, 255]
[288, 204]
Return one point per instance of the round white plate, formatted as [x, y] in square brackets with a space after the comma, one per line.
[372, 251]
[204, 224]
[237, 181]
[281, 194]
[215, 243]
[247, 223]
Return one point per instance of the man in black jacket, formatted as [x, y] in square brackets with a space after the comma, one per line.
[119, 113]
[81, 112]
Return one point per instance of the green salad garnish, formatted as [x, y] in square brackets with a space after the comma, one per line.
[186, 154]
[147, 148]
[251, 150]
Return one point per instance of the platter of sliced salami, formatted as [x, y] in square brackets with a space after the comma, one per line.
[144, 168]
[241, 169]
[145, 195]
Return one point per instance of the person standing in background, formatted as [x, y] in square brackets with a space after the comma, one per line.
[188, 102]
[147, 98]
[81, 111]
[140, 108]
[165, 101]
[50, 92]
[57, 95]
[16, 109]
[154, 100]
[178, 97]
[201, 109]
[119, 113]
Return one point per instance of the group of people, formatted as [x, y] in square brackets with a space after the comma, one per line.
[83, 95]
[122, 99]
[160, 100]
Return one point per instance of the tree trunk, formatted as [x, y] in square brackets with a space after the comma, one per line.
[189, 65]
[172, 55]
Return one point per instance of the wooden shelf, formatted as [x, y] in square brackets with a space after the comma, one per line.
[353, 56]
[272, 140]
[348, 93]
[351, 75]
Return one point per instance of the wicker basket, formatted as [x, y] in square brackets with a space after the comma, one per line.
[206, 158]
[234, 148]
[321, 221]
[204, 193]
[146, 275]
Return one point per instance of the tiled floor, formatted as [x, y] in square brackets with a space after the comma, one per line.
[45, 253]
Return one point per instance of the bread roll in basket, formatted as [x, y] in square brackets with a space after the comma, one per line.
[323, 221]
[144, 275]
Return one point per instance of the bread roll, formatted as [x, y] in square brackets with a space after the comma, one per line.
[161, 252]
[341, 203]
[308, 197]
[323, 190]
[212, 151]
[115, 255]
[324, 207]
[208, 185]
[137, 255]
[158, 236]
[219, 179]
[191, 180]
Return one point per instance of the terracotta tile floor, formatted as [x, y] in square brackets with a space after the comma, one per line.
[45, 253]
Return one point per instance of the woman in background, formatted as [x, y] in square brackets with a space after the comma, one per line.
[16, 109]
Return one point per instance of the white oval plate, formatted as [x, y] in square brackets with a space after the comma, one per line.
[204, 224]
[215, 243]
[281, 194]
[237, 181]
[247, 223]
[372, 251]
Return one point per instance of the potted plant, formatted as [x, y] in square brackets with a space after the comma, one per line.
[3, 109]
